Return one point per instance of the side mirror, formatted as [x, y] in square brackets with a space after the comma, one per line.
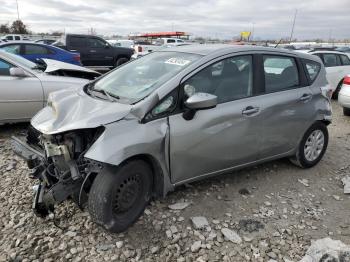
[199, 101]
[107, 46]
[18, 72]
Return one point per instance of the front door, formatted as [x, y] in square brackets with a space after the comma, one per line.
[219, 138]
[100, 53]
[21, 97]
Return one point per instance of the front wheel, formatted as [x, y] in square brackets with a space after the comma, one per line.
[312, 147]
[121, 61]
[119, 196]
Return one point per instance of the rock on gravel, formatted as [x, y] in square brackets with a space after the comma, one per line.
[196, 246]
[346, 183]
[231, 235]
[327, 249]
[179, 206]
[200, 223]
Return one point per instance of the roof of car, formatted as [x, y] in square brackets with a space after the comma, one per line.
[327, 52]
[207, 49]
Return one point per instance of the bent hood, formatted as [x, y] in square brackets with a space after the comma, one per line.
[54, 65]
[73, 109]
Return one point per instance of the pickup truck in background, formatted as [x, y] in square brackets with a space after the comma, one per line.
[94, 51]
[144, 47]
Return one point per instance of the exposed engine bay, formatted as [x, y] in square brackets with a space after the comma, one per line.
[58, 162]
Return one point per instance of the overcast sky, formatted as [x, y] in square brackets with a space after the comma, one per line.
[215, 18]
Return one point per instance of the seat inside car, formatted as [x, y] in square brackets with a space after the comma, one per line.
[233, 83]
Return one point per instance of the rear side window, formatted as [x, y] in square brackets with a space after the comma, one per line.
[76, 41]
[35, 50]
[312, 69]
[281, 73]
[331, 60]
[345, 60]
[13, 49]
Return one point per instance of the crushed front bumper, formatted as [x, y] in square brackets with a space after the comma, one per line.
[33, 157]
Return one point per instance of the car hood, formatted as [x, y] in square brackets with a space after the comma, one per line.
[72, 109]
[54, 65]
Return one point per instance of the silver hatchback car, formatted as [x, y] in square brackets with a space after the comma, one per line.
[172, 117]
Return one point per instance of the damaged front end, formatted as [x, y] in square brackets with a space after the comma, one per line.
[58, 162]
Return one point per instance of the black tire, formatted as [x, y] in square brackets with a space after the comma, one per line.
[300, 158]
[121, 61]
[119, 195]
[346, 111]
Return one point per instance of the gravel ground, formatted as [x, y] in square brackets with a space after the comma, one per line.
[268, 212]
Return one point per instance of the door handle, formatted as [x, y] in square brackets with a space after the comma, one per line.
[92, 51]
[305, 97]
[250, 110]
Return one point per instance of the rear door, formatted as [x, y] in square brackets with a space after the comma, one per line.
[35, 52]
[334, 69]
[288, 109]
[80, 45]
[20, 97]
[223, 137]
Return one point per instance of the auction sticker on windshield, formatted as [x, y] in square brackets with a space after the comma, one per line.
[177, 61]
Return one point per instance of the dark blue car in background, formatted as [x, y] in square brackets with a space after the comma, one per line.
[35, 51]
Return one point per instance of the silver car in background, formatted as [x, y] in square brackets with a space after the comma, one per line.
[172, 117]
[24, 85]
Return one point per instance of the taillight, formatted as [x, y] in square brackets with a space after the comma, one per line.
[76, 57]
[346, 80]
[139, 48]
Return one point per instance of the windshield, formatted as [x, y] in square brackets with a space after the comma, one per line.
[21, 61]
[136, 80]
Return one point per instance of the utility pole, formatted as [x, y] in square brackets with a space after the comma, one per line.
[252, 33]
[291, 34]
[17, 10]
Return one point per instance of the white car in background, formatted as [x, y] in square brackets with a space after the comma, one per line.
[344, 95]
[121, 42]
[337, 67]
[25, 86]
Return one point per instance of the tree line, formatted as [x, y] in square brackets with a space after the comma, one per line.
[17, 27]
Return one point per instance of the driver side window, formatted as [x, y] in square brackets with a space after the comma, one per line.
[4, 68]
[229, 79]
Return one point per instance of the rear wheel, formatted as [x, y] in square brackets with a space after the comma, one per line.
[119, 196]
[346, 111]
[312, 147]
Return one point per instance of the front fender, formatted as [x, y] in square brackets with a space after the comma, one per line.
[128, 138]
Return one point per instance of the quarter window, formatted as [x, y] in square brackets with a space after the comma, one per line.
[4, 68]
[345, 60]
[35, 50]
[229, 79]
[281, 73]
[312, 68]
[331, 60]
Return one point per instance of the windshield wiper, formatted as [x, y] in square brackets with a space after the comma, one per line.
[111, 97]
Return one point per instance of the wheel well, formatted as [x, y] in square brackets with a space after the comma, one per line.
[121, 56]
[326, 122]
[158, 176]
